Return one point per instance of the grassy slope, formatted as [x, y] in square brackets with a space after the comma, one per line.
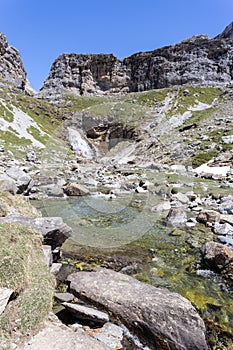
[47, 117]
[137, 110]
[140, 109]
[22, 268]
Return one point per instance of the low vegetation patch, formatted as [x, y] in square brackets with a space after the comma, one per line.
[6, 113]
[22, 268]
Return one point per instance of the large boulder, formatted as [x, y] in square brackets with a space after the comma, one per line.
[164, 319]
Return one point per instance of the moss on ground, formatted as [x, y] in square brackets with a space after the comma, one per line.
[23, 269]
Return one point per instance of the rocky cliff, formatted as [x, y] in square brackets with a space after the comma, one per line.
[227, 33]
[11, 66]
[198, 60]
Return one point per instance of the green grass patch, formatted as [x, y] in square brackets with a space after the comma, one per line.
[6, 113]
[76, 103]
[198, 116]
[22, 268]
[196, 94]
[203, 157]
[37, 135]
[46, 115]
[10, 138]
[148, 98]
[123, 112]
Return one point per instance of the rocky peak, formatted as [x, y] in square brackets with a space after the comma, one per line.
[227, 33]
[11, 66]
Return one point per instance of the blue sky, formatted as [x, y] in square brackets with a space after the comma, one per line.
[43, 29]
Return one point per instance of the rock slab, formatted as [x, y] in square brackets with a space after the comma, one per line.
[87, 313]
[59, 337]
[165, 319]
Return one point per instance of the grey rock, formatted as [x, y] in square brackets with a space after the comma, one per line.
[57, 336]
[87, 314]
[5, 294]
[55, 191]
[47, 254]
[227, 240]
[56, 268]
[166, 319]
[64, 297]
[223, 229]
[181, 197]
[226, 219]
[7, 184]
[2, 148]
[111, 335]
[11, 66]
[74, 189]
[227, 139]
[24, 184]
[15, 173]
[31, 156]
[227, 33]
[226, 208]
[176, 217]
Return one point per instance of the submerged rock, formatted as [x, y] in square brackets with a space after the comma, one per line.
[164, 319]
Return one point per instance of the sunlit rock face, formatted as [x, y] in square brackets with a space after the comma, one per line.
[11, 66]
[197, 60]
[87, 74]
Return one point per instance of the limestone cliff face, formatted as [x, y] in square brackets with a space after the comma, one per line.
[87, 74]
[198, 60]
[11, 66]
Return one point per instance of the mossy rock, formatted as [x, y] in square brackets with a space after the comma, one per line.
[18, 202]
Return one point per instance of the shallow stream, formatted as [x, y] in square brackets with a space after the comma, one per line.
[127, 228]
